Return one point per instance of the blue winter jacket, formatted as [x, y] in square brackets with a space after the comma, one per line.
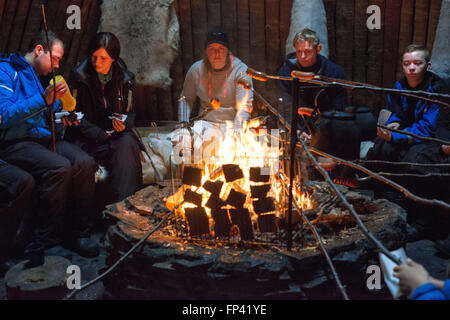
[21, 94]
[332, 98]
[415, 116]
[429, 291]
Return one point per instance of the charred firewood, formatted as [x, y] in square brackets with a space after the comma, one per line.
[259, 192]
[214, 202]
[197, 220]
[267, 223]
[192, 176]
[232, 172]
[193, 197]
[263, 205]
[256, 174]
[222, 222]
[236, 199]
[241, 218]
[213, 186]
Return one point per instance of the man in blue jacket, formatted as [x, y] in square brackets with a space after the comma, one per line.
[409, 114]
[65, 178]
[307, 58]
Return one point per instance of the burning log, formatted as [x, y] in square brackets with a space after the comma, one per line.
[214, 202]
[267, 223]
[232, 172]
[259, 192]
[197, 220]
[241, 218]
[213, 186]
[259, 174]
[193, 197]
[263, 205]
[192, 176]
[222, 224]
[236, 199]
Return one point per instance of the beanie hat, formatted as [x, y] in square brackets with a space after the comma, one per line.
[217, 35]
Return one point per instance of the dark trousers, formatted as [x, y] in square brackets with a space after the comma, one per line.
[16, 191]
[64, 187]
[120, 156]
[388, 151]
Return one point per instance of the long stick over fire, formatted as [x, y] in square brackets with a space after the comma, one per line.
[309, 77]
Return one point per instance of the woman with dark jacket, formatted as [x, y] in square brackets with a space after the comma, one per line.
[103, 87]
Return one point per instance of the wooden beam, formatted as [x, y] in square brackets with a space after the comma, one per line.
[330, 9]
[78, 35]
[345, 13]
[186, 43]
[272, 35]
[19, 23]
[200, 26]
[213, 13]
[391, 37]
[285, 24]
[360, 50]
[257, 35]
[229, 22]
[420, 22]
[243, 30]
[406, 32]
[375, 58]
[433, 19]
[7, 24]
[32, 25]
[91, 27]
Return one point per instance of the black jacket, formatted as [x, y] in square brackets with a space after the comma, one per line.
[332, 98]
[98, 102]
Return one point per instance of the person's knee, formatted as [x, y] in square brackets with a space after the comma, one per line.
[127, 141]
[23, 186]
[85, 163]
[62, 169]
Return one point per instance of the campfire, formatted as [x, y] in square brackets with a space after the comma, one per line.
[235, 188]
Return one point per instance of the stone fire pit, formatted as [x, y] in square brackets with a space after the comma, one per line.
[171, 267]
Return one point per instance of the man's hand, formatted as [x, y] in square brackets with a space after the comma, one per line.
[61, 91]
[118, 125]
[410, 276]
[384, 134]
[445, 148]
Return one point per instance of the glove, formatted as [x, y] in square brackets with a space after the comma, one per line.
[70, 120]
[118, 125]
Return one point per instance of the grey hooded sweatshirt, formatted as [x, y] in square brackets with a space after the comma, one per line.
[220, 85]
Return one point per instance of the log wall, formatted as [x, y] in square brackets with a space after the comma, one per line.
[257, 30]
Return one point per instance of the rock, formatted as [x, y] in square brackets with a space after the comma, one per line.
[46, 282]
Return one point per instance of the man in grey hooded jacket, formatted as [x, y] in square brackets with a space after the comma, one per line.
[213, 80]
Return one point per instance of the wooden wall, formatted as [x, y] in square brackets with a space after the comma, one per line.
[257, 30]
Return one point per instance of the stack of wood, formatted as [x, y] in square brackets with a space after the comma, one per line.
[262, 205]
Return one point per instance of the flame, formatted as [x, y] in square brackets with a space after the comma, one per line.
[246, 149]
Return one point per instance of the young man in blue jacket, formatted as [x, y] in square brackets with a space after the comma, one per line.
[409, 114]
[65, 178]
[307, 58]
